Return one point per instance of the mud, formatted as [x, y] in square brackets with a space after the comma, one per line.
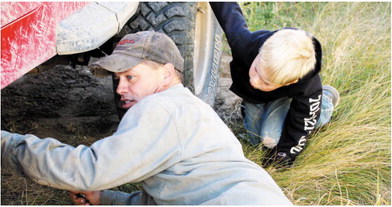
[63, 98]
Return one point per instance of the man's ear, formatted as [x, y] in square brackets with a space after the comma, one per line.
[168, 70]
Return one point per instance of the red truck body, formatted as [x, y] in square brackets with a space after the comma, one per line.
[28, 35]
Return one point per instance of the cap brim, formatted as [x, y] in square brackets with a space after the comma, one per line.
[117, 62]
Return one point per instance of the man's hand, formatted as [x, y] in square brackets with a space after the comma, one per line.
[85, 197]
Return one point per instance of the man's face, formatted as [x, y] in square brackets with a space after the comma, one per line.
[139, 82]
[260, 77]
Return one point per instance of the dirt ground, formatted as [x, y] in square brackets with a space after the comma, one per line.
[76, 112]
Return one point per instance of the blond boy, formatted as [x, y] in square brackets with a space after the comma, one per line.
[276, 73]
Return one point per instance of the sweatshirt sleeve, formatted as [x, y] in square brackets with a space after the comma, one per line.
[232, 21]
[300, 121]
[145, 144]
[243, 43]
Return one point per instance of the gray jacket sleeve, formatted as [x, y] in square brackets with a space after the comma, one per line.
[134, 153]
[9, 142]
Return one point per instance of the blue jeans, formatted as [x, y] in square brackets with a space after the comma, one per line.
[264, 122]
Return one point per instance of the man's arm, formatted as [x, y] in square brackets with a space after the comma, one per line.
[133, 153]
[9, 142]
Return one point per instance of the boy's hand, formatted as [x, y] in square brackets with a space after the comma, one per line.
[85, 197]
[283, 159]
[279, 159]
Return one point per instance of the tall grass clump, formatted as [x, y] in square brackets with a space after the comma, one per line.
[348, 161]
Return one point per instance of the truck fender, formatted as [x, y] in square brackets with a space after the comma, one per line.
[76, 36]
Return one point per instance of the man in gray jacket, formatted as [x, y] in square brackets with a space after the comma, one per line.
[169, 140]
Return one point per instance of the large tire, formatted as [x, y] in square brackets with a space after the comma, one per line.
[197, 34]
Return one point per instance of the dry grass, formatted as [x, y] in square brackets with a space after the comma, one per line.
[347, 162]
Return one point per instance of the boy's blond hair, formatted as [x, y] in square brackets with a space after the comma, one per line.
[288, 55]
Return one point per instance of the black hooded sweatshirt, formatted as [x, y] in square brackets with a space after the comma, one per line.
[306, 93]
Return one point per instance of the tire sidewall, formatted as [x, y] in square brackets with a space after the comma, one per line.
[210, 88]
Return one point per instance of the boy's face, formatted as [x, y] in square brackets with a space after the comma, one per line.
[260, 77]
[139, 82]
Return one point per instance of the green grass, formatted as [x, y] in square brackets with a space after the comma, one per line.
[348, 161]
